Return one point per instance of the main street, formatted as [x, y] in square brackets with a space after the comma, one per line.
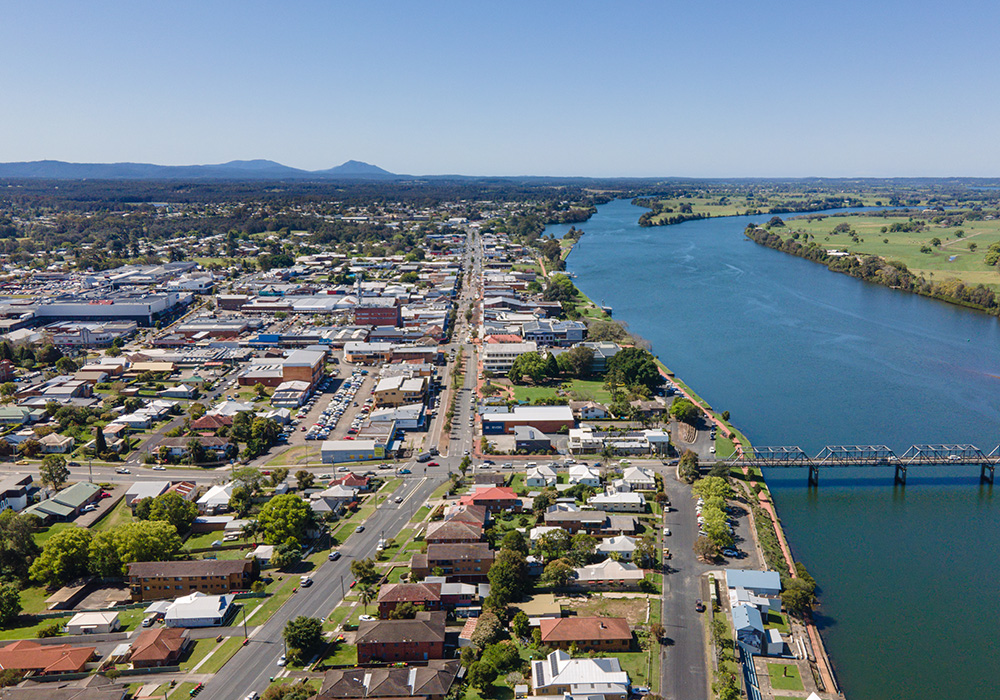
[253, 665]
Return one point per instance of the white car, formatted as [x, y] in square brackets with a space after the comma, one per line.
[366, 618]
[159, 468]
[282, 660]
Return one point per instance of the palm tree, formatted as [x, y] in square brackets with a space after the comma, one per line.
[366, 594]
[251, 529]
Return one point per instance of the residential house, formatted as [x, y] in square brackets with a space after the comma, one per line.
[144, 489]
[15, 492]
[333, 499]
[430, 682]
[162, 646]
[560, 674]
[588, 410]
[608, 575]
[54, 443]
[622, 546]
[419, 639]
[541, 477]
[467, 514]
[582, 474]
[156, 580]
[216, 448]
[590, 521]
[93, 622]
[494, 498]
[45, 659]
[216, 499]
[587, 633]
[638, 479]
[619, 502]
[199, 610]
[467, 563]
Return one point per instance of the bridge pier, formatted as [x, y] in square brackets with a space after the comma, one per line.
[900, 476]
[813, 475]
[983, 478]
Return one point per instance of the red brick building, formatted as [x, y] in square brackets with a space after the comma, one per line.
[378, 311]
[419, 639]
[600, 634]
[453, 532]
[156, 580]
[466, 563]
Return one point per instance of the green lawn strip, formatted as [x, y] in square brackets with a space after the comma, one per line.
[342, 533]
[421, 514]
[30, 630]
[440, 491]
[183, 690]
[199, 650]
[781, 681]
[33, 600]
[633, 662]
[223, 653]
[391, 485]
[280, 593]
[397, 573]
[723, 447]
[339, 614]
[778, 621]
[131, 619]
[42, 536]
[517, 484]
[204, 540]
[342, 655]
[120, 515]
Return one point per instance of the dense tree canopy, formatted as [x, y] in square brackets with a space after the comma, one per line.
[283, 517]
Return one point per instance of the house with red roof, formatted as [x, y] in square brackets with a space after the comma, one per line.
[586, 633]
[353, 481]
[45, 659]
[493, 498]
[163, 646]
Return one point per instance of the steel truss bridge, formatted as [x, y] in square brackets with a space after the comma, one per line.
[872, 456]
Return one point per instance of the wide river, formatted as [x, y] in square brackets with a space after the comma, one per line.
[803, 356]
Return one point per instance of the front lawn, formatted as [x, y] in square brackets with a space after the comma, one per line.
[785, 677]
[778, 621]
[342, 655]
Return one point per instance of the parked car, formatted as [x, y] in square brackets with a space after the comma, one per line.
[367, 618]
[361, 528]
[89, 508]
[282, 660]
[699, 606]
[334, 555]
[305, 581]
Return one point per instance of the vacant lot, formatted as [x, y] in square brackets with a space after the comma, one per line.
[632, 609]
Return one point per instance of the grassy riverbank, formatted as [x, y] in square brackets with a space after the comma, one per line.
[931, 246]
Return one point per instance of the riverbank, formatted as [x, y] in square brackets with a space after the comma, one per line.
[877, 270]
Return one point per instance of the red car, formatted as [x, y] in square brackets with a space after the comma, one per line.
[105, 494]
[433, 464]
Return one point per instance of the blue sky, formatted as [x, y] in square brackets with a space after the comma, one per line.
[708, 89]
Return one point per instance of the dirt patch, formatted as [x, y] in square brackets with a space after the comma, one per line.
[686, 433]
[632, 609]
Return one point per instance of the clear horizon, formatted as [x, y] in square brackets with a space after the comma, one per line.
[556, 89]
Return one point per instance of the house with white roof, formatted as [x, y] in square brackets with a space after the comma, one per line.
[582, 474]
[638, 479]
[541, 477]
[623, 546]
[619, 502]
[199, 610]
[216, 498]
[608, 575]
[560, 674]
[93, 622]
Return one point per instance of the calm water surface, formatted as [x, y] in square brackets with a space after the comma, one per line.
[803, 356]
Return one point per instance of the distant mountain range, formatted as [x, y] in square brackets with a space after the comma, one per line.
[233, 170]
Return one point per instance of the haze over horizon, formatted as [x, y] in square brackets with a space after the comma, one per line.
[548, 89]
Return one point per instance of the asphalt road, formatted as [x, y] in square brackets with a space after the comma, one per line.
[253, 665]
[683, 674]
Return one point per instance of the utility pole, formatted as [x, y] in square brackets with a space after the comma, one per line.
[342, 594]
[245, 636]
[90, 468]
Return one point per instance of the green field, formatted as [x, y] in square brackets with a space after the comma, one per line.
[785, 677]
[952, 259]
[576, 389]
